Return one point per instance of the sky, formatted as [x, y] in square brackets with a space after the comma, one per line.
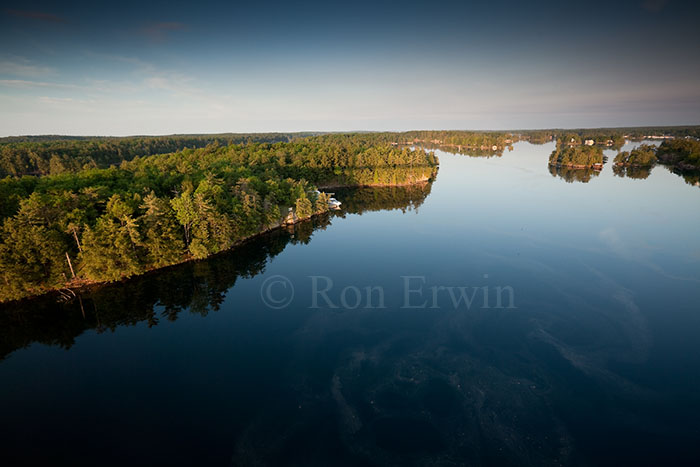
[164, 67]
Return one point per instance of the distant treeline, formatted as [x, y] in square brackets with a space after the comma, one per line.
[611, 137]
[52, 155]
[466, 139]
[106, 224]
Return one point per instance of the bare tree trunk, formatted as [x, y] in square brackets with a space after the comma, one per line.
[77, 242]
[70, 265]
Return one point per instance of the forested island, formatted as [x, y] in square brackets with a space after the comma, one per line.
[577, 157]
[97, 225]
[642, 156]
[682, 154]
[574, 161]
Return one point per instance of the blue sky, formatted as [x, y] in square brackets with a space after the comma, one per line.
[123, 68]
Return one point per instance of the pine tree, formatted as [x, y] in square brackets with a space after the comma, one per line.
[304, 208]
[163, 238]
[111, 248]
[32, 257]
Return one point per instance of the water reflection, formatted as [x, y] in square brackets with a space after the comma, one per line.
[571, 175]
[198, 287]
[482, 151]
[596, 366]
[638, 173]
[691, 177]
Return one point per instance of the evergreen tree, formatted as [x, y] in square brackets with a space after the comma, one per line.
[162, 235]
[304, 208]
[111, 248]
[32, 257]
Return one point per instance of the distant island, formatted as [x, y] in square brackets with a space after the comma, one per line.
[577, 157]
[643, 156]
[682, 154]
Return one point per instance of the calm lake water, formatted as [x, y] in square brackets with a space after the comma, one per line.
[592, 355]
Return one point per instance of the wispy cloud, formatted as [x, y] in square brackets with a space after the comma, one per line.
[22, 67]
[36, 15]
[159, 31]
[22, 83]
[63, 100]
[55, 100]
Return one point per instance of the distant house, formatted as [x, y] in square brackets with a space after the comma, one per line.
[589, 142]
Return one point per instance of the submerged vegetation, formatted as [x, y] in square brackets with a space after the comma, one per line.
[107, 224]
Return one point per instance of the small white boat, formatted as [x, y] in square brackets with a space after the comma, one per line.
[334, 203]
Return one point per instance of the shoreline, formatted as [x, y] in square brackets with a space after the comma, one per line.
[79, 285]
[376, 185]
[71, 288]
[578, 166]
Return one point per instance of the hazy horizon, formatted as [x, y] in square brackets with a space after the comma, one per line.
[79, 68]
[486, 130]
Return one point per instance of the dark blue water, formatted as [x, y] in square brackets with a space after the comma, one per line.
[591, 356]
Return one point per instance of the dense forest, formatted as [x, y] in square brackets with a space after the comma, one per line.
[106, 224]
[52, 155]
